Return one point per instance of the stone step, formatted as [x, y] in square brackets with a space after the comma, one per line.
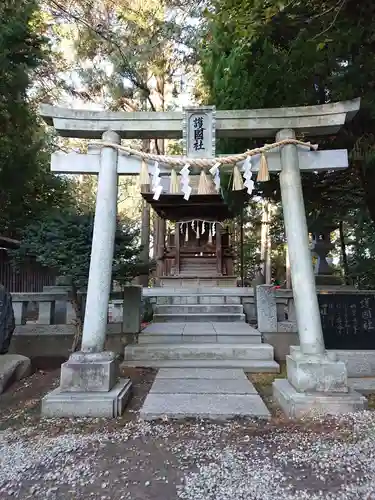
[195, 352]
[235, 328]
[195, 263]
[207, 395]
[198, 271]
[197, 339]
[192, 282]
[206, 373]
[198, 259]
[249, 366]
[197, 267]
[198, 262]
[197, 299]
[190, 318]
[197, 274]
[199, 309]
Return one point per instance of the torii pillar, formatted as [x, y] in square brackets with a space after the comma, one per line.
[316, 380]
[89, 384]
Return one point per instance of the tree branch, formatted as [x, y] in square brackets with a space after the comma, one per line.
[332, 23]
[133, 77]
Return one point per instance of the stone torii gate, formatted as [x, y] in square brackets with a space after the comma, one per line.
[88, 382]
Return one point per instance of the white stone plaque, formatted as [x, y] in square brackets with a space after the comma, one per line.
[199, 132]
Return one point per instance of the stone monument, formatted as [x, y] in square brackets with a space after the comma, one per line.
[12, 366]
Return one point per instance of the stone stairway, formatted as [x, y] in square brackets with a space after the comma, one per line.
[201, 330]
[199, 333]
[198, 266]
[198, 313]
[251, 358]
[198, 307]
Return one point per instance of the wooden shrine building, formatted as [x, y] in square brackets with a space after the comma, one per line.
[197, 250]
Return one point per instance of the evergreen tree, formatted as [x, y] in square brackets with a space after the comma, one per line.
[62, 241]
[264, 55]
[273, 54]
[26, 186]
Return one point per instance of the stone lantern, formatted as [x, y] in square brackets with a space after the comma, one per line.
[320, 247]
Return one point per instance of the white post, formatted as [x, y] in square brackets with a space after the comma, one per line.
[303, 280]
[263, 239]
[287, 268]
[99, 285]
[145, 241]
[268, 274]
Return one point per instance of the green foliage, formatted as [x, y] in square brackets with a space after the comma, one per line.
[235, 200]
[27, 188]
[251, 240]
[252, 221]
[62, 241]
[360, 249]
[272, 54]
[297, 53]
[263, 55]
[84, 191]
[139, 39]
[147, 312]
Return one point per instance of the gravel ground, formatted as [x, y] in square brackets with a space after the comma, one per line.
[130, 459]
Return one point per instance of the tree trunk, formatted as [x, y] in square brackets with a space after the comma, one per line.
[145, 240]
[76, 302]
[241, 248]
[268, 265]
[367, 176]
[368, 186]
[343, 253]
[263, 238]
[288, 276]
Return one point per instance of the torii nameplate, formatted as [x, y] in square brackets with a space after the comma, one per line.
[199, 132]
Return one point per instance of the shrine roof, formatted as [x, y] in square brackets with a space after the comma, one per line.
[207, 206]
[322, 119]
[173, 207]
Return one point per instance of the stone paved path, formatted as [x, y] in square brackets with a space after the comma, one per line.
[130, 459]
[217, 394]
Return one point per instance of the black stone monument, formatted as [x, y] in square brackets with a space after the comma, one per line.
[348, 320]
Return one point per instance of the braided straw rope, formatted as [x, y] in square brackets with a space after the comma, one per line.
[203, 162]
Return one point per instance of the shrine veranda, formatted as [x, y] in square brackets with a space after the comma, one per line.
[315, 378]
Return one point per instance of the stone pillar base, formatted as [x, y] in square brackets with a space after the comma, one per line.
[89, 387]
[298, 404]
[316, 373]
[316, 383]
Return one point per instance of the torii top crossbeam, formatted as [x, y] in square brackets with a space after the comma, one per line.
[320, 120]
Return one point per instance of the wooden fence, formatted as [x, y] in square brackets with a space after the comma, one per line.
[29, 277]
